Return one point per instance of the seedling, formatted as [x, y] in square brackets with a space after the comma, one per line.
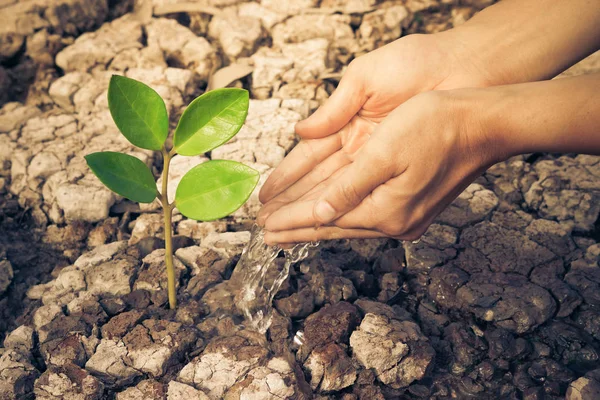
[207, 192]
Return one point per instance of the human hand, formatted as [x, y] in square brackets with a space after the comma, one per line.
[373, 86]
[412, 166]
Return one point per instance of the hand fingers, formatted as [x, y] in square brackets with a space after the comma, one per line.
[316, 234]
[319, 174]
[369, 170]
[303, 158]
[337, 111]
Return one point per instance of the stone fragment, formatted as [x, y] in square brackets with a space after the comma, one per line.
[331, 324]
[566, 190]
[382, 26]
[147, 225]
[239, 35]
[100, 254]
[68, 382]
[585, 388]
[182, 48]
[21, 339]
[155, 345]
[121, 324]
[84, 203]
[145, 390]
[472, 205]
[289, 7]
[489, 247]
[397, 351]
[510, 300]
[274, 381]
[98, 48]
[109, 364]
[181, 391]
[222, 364]
[113, 277]
[17, 375]
[331, 369]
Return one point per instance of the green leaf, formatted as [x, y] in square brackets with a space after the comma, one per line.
[215, 189]
[123, 174]
[211, 120]
[139, 112]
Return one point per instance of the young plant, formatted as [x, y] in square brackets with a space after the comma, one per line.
[207, 192]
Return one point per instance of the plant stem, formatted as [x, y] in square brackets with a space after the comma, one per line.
[167, 213]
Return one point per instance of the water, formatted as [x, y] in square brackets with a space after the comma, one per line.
[259, 276]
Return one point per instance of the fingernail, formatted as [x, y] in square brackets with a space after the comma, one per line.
[324, 212]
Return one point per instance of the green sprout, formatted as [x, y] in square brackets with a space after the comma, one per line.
[207, 192]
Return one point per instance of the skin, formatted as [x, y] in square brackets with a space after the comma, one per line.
[413, 123]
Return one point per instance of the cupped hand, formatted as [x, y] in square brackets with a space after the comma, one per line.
[413, 164]
[373, 86]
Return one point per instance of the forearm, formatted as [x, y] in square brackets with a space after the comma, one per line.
[559, 116]
[518, 41]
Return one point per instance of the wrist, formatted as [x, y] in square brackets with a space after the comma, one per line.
[480, 121]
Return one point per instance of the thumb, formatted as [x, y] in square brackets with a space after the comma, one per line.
[357, 182]
[339, 109]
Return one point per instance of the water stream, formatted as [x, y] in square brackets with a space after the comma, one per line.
[259, 276]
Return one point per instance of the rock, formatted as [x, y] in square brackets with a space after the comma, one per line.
[109, 364]
[331, 369]
[182, 47]
[121, 324]
[584, 277]
[98, 48]
[468, 349]
[397, 351]
[199, 230]
[333, 27]
[549, 276]
[491, 247]
[113, 277]
[289, 7]
[203, 281]
[231, 243]
[509, 300]
[331, 324]
[147, 225]
[301, 62]
[472, 205]
[6, 275]
[200, 259]
[147, 389]
[274, 381]
[46, 314]
[21, 339]
[181, 391]
[64, 351]
[100, 254]
[566, 190]
[382, 26]
[68, 382]
[350, 6]
[551, 235]
[155, 345]
[17, 375]
[239, 35]
[84, 203]
[584, 388]
[298, 305]
[222, 364]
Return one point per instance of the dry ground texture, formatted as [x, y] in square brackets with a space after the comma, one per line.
[499, 300]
